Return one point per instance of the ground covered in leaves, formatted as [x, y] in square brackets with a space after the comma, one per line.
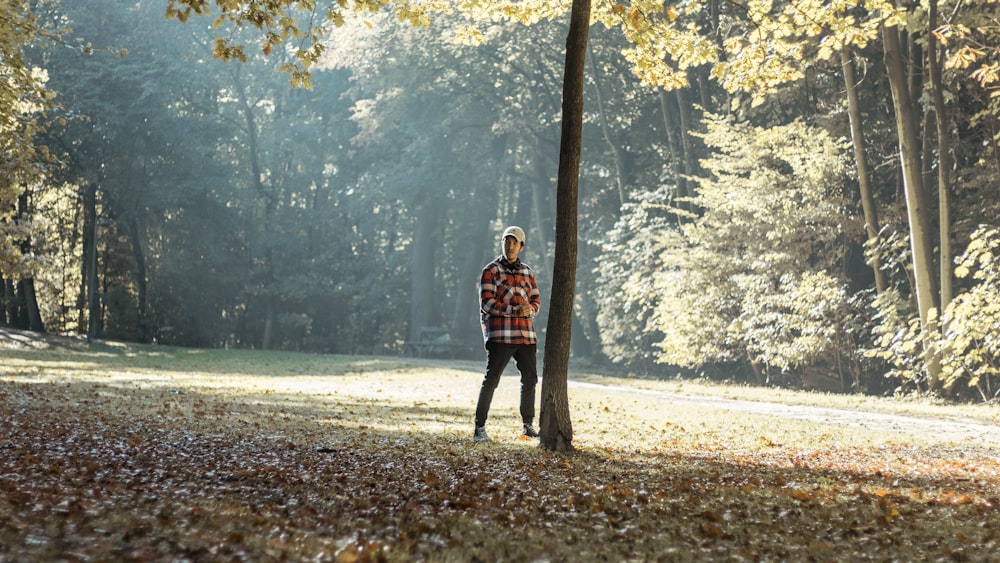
[145, 454]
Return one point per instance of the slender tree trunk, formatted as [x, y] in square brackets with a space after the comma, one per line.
[269, 294]
[93, 301]
[918, 215]
[606, 130]
[6, 314]
[422, 294]
[944, 160]
[864, 179]
[140, 281]
[556, 425]
[89, 197]
[676, 154]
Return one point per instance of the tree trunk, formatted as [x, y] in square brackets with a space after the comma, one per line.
[31, 306]
[676, 153]
[606, 130]
[944, 163]
[269, 293]
[556, 425]
[422, 294]
[864, 179]
[7, 303]
[90, 267]
[921, 237]
[140, 281]
[32, 314]
[89, 199]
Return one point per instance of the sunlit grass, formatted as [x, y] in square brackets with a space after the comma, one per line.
[608, 413]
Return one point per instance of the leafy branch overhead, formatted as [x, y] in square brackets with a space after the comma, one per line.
[752, 47]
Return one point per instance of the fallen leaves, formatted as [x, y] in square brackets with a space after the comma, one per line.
[379, 466]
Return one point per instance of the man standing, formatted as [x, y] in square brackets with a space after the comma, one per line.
[508, 301]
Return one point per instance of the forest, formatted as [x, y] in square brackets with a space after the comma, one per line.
[796, 194]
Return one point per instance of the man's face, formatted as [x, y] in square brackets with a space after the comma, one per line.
[511, 248]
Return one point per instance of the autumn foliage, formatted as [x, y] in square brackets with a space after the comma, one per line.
[142, 454]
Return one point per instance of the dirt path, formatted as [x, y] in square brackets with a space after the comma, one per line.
[957, 429]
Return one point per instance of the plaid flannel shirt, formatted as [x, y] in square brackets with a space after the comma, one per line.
[503, 287]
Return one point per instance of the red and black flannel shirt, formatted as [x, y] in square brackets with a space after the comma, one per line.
[503, 287]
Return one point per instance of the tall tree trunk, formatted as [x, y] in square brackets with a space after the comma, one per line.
[676, 154]
[89, 197]
[944, 160]
[7, 305]
[556, 425]
[93, 302]
[918, 215]
[606, 130]
[140, 281]
[269, 296]
[31, 305]
[864, 178]
[422, 294]
[34, 316]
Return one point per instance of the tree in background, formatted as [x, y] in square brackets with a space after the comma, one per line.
[757, 276]
[212, 205]
[24, 100]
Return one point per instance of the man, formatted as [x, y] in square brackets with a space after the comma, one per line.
[508, 301]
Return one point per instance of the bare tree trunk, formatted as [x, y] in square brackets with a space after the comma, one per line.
[864, 179]
[30, 301]
[422, 294]
[676, 153]
[556, 425]
[944, 160]
[140, 281]
[269, 296]
[89, 198]
[921, 237]
[606, 130]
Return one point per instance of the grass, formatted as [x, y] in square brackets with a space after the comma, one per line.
[130, 452]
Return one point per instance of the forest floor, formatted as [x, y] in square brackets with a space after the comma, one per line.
[121, 452]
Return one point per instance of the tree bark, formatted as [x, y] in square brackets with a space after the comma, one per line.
[89, 200]
[34, 316]
[269, 294]
[944, 161]
[921, 237]
[31, 305]
[422, 294]
[140, 281]
[676, 151]
[90, 267]
[606, 130]
[556, 425]
[864, 179]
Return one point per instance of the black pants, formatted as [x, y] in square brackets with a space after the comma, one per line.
[498, 355]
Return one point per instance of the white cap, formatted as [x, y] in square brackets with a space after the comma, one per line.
[516, 232]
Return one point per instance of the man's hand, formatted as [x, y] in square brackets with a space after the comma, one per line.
[527, 310]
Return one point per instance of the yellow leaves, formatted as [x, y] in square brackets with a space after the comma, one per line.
[987, 75]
